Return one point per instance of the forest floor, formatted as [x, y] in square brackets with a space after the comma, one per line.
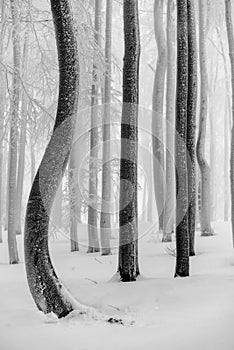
[191, 313]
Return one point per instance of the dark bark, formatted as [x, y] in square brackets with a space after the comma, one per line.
[128, 220]
[105, 221]
[182, 235]
[191, 124]
[47, 291]
[158, 106]
[229, 25]
[94, 136]
[73, 202]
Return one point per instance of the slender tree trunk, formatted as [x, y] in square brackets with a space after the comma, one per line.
[206, 229]
[12, 244]
[22, 143]
[48, 292]
[169, 215]
[93, 178]
[72, 202]
[33, 161]
[128, 216]
[182, 231]
[191, 124]
[229, 24]
[106, 164]
[158, 106]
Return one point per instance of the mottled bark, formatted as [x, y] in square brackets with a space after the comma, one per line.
[72, 202]
[12, 244]
[169, 214]
[229, 25]
[206, 229]
[158, 107]
[94, 141]
[48, 292]
[191, 124]
[128, 221]
[182, 232]
[105, 221]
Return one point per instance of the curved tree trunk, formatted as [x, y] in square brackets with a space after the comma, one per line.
[169, 215]
[191, 124]
[48, 292]
[12, 244]
[128, 220]
[106, 165]
[93, 178]
[206, 229]
[182, 233]
[157, 106]
[229, 24]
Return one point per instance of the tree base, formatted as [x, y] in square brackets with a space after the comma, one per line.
[93, 250]
[167, 237]
[106, 251]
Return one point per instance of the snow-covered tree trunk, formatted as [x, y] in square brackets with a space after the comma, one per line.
[22, 141]
[128, 217]
[169, 215]
[158, 107]
[72, 176]
[48, 292]
[182, 232]
[206, 229]
[191, 123]
[105, 221]
[12, 244]
[229, 25]
[94, 141]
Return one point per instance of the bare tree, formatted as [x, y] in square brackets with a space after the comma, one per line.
[206, 229]
[12, 244]
[48, 292]
[128, 232]
[191, 123]
[229, 25]
[169, 216]
[182, 233]
[158, 106]
[94, 140]
[106, 167]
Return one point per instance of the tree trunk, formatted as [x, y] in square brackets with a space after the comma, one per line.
[128, 221]
[48, 292]
[182, 232]
[72, 202]
[106, 164]
[22, 142]
[158, 105]
[93, 178]
[191, 124]
[12, 244]
[229, 24]
[206, 229]
[169, 214]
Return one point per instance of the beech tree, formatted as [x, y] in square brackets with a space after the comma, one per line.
[15, 99]
[48, 292]
[169, 216]
[106, 166]
[191, 124]
[229, 26]
[206, 229]
[158, 107]
[94, 140]
[128, 221]
[182, 234]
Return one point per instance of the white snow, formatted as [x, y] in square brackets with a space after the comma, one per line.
[191, 313]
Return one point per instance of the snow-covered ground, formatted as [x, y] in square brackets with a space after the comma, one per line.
[191, 313]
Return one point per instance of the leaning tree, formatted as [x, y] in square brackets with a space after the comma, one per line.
[48, 292]
[128, 231]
